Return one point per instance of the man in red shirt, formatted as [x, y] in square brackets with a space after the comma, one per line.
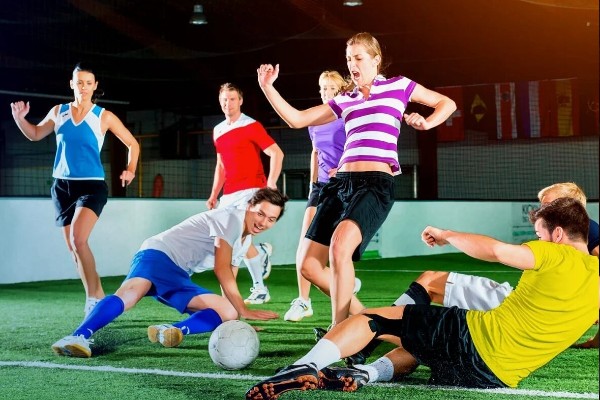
[239, 172]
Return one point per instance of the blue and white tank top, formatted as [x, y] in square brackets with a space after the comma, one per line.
[78, 145]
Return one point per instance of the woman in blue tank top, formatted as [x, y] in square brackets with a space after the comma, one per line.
[79, 191]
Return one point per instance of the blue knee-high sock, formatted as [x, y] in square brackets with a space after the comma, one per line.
[106, 311]
[200, 322]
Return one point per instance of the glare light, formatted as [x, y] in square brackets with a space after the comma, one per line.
[198, 17]
[353, 3]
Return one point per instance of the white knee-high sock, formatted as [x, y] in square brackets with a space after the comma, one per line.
[323, 354]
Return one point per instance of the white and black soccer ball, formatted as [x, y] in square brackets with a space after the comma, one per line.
[233, 345]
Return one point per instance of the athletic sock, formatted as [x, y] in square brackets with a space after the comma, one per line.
[255, 267]
[380, 370]
[199, 322]
[106, 311]
[416, 294]
[324, 353]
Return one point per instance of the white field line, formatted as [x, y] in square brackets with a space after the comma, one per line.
[231, 376]
[483, 271]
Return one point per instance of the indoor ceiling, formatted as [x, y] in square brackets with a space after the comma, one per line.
[148, 55]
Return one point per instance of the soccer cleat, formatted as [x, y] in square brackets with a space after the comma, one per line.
[268, 250]
[292, 377]
[299, 309]
[90, 303]
[345, 379]
[319, 333]
[73, 346]
[166, 334]
[258, 296]
[357, 358]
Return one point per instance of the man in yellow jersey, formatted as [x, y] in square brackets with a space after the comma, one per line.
[551, 307]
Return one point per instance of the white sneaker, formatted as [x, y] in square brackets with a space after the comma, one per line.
[90, 303]
[258, 296]
[73, 346]
[299, 309]
[268, 250]
[166, 334]
[357, 285]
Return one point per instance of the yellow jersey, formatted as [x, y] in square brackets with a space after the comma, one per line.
[552, 306]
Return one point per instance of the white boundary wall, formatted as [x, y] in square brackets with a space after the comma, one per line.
[33, 249]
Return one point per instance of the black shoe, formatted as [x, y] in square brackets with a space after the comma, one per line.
[361, 356]
[347, 379]
[292, 377]
[356, 359]
[319, 333]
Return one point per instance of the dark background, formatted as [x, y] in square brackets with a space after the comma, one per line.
[147, 55]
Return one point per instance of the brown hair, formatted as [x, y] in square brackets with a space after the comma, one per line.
[566, 212]
[272, 196]
[230, 87]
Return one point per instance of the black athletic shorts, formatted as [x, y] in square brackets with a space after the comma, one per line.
[439, 338]
[363, 197]
[315, 191]
[68, 194]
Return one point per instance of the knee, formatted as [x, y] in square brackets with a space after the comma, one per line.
[427, 277]
[339, 254]
[77, 242]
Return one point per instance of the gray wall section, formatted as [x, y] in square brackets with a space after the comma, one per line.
[32, 248]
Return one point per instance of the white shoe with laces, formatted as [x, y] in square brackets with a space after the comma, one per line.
[73, 346]
[299, 309]
[258, 296]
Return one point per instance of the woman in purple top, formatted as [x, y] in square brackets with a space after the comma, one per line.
[328, 144]
[354, 203]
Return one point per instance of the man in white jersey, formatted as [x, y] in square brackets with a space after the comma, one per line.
[162, 268]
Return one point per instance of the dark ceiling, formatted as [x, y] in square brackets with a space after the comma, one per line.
[147, 54]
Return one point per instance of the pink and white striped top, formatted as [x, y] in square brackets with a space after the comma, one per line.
[373, 124]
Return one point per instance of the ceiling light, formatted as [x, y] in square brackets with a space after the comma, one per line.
[198, 17]
[353, 3]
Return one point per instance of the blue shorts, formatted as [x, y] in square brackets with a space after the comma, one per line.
[69, 194]
[171, 285]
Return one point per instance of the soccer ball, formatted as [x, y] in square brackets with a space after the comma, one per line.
[233, 345]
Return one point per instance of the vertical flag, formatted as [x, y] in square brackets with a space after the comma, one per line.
[453, 129]
[506, 116]
[589, 107]
[528, 109]
[567, 107]
[480, 108]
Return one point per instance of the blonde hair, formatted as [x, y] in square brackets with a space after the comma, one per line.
[565, 189]
[372, 47]
[335, 77]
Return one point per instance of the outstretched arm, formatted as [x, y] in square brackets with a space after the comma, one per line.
[32, 132]
[226, 277]
[319, 115]
[481, 247]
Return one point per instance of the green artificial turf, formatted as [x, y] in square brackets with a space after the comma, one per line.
[125, 365]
